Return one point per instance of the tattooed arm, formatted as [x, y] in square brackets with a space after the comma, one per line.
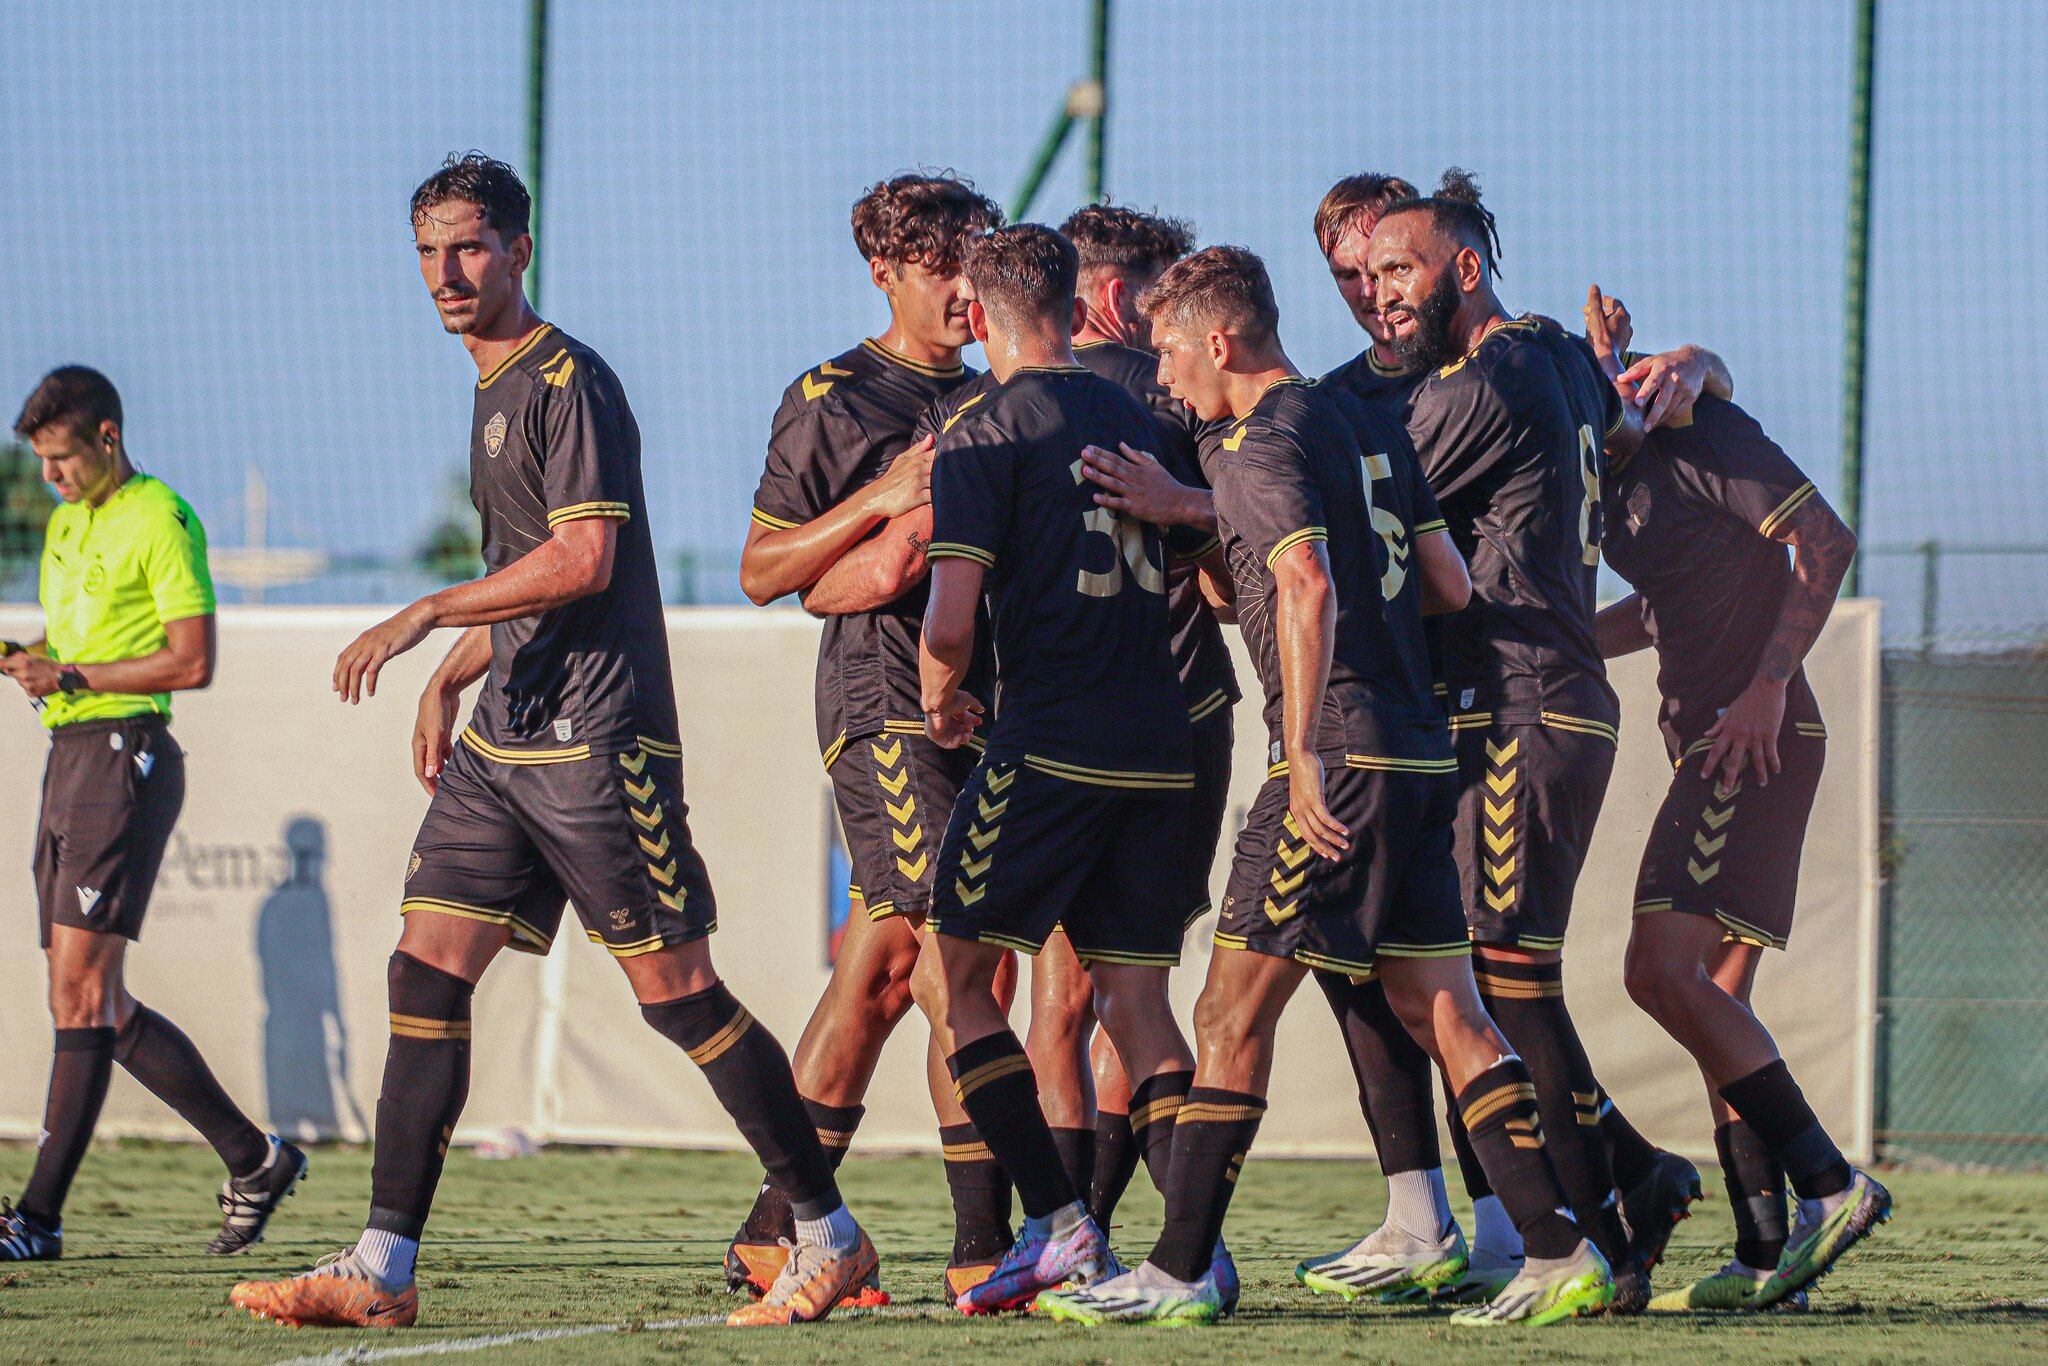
[1746, 736]
[877, 571]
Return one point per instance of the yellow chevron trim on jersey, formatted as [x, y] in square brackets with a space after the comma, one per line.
[655, 849]
[1293, 539]
[1708, 847]
[895, 357]
[976, 870]
[941, 550]
[960, 412]
[890, 756]
[1702, 874]
[907, 841]
[558, 369]
[522, 932]
[772, 522]
[913, 868]
[421, 1027]
[815, 389]
[635, 764]
[518, 353]
[1780, 514]
[833, 371]
[999, 780]
[1209, 704]
[522, 756]
[640, 791]
[1499, 873]
[1716, 819]
[577, 512]
[1504, 754]
[894, 783]
[1236, 437]
[1109, 777]
[1581, 725]
[901, 814]
[674, 901]
[1294, 857]
[715, 1047]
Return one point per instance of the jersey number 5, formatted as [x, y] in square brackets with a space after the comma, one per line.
[1589, 511]
[1389, 527]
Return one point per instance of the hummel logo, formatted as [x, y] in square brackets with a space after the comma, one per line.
[88, 897]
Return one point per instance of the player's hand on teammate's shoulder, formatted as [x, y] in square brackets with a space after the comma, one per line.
[1746, 735]
[1134, 481]
[1667, 385]
[907, 484]
[1609, 329]
[950, 726]
[1305, 802]
[355, 672]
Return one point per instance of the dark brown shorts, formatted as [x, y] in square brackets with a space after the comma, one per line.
[111, 795]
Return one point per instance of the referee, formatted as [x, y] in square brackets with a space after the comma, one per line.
[128, 611]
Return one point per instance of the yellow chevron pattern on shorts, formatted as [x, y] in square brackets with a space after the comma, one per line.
[892, 774]
[1705, 865]
[972, 883]
[662, 867]
[1496, 831]
[1283, 902]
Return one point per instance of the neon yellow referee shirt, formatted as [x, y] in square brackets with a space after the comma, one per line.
[112, 575]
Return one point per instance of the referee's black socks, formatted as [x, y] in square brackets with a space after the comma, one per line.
[156, 1053]
[79, 1072]
[749, 1073]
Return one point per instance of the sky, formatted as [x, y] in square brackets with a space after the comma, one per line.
[208, 201]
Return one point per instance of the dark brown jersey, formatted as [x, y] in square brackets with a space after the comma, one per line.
[1084, 666]
[1206, 678]
[1691, 521]
[552, 441]
[1310, 463]
[838, 428]
[1510, 439]
[1385, 391]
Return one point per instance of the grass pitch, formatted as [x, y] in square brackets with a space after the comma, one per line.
[574, 1239]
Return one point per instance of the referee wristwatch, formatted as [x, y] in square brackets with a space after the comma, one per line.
[70, 680]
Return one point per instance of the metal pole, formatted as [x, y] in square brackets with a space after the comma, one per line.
[1098, 129]
[1855, 294]
[1930, 595]
[536, 129]
[1048, 152]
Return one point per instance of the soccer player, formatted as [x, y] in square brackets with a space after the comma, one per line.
[1392, 1073]
[565, 785]
[1122, 252]
[1510, 427]
[1075, 813]
[842, 518]
[128, 620]
[1697, 523]
[1345, 863]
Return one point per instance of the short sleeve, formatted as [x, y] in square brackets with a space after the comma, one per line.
[1732, 463]
[813, 440]
[587, 467]
[1424, 516]
[1268, 494]
[174, 562]
[973, 487]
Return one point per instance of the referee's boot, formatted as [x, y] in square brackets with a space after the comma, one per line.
[25, 1239]
[247, 1202]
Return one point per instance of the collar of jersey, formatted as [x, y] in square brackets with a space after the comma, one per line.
[1282, 382]
[135, 479]
[1372, 361]
[895, 357]
[1046, 370]
[506, 364]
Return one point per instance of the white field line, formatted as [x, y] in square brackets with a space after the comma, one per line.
[480, 1344]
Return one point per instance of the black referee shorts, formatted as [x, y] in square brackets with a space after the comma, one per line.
[111, 795]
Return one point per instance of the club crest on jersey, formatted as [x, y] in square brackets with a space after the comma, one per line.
[1465, 697]
[563, 729]
[494, 435]
[88, 899]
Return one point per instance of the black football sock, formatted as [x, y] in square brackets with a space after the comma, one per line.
[981, 1197]
[770, 1219]
[1470, 1168]
[994, 1083]
[1392, 1070]
[1633, 1156]
[1214, 1131]
[1077, 1155]
[749, 1073]
[1771, 1103]
[426, 1081]
[1756, 1194]
[1506, 1129]
[1527, 1001]
[1155, 1108]
[157, 1054]
[83, 1063]
[1116, 1161]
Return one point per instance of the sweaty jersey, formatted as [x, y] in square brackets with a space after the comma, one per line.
[1691, 524]
[1203, 660]
[1310, 463]
[111, 577]
[553, 441]
[1078, 594]
[1510, 439]
[838, 428]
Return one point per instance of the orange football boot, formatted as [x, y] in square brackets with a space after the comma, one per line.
[337, 1293]
[814, 1282]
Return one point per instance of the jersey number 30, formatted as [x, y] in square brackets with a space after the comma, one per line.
[1128, 539]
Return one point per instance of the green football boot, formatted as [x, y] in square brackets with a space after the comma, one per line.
[1817, 1244]
[1733, 1287]
[1390, 1264]
[1580, 1284]
[1146, 1295]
